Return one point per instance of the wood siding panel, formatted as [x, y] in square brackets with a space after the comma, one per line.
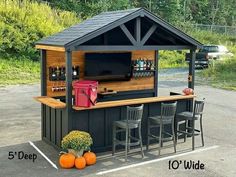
[53, 125]
[48, 122]
[57, 58]
[97, 127]
[58, 127]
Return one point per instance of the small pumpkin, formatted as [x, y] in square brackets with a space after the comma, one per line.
[188, 91]
[67, 160]
[90, 158]
[80, 163]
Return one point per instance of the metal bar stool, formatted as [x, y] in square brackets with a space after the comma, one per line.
[168, 111]
[184, 117]
[133, 121]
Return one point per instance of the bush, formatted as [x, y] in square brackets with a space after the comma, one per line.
[222, 74]
[170, 59]
[23, 22]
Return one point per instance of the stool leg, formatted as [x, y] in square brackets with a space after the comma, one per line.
[163, 127]
[186, 130]
[148, 133]
[140, 139]
[173, 134]
[193, 137]
[113, 139]
[177, 132]
[160, 140]
[201, 131]
[126, 143]
[129, 134]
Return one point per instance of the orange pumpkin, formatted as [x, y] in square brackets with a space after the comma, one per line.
[80, 163]
[188, 91]
[67, 160]
[90, 158]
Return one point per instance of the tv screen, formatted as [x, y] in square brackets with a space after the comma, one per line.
[108, 66]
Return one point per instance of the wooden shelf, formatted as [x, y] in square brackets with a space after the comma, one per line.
[141, 71]
[51, 102]
[109, 104]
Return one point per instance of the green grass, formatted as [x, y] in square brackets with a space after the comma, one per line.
[221, 74]
[172, 59]
[18, 71]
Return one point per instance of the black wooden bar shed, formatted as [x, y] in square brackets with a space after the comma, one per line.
[135, 30]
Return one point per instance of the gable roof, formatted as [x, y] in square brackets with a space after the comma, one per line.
[104, 22]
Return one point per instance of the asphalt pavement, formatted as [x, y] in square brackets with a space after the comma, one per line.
[20, 123]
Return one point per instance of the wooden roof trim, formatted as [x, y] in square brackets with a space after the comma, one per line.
[48, 47]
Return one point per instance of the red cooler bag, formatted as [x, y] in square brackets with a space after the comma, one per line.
[85, 93]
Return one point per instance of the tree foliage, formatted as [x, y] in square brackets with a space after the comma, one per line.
[221, 12]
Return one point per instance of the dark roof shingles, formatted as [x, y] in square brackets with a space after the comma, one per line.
[88, 26]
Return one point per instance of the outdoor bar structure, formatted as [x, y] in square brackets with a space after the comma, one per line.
[137, 34]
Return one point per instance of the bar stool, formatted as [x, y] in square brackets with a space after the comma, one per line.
[133, 121]
[167, 117]
[184, 117]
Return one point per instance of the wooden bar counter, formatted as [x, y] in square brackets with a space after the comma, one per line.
[98, 119]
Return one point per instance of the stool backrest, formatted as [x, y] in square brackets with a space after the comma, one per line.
[135, 114]
[198, 107]
[168, 111]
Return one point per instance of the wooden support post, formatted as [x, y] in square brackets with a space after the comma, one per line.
[156, 73]
[191, 76]
[43, 87]
[43, 72]
[68, 116]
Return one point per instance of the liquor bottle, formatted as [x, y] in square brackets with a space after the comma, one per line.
[136, 65]
[149, 65]
[152, 65]
[74, 71]
[58, 72]
[141, 64]
[63, 72]
[144, 64]
[53, 74]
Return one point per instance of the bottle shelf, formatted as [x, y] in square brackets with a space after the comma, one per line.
[58, 73]
[143, 68]
[143, 73]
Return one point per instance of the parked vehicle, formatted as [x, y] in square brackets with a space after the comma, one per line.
[209, 53]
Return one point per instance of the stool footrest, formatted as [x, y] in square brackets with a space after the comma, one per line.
[118, 142]
[186, 133]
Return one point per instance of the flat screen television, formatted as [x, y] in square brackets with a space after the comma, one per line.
[108, 66]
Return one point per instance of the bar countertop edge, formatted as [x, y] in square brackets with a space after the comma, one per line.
[127, 102]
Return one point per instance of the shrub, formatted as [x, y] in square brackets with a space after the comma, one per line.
[24, 22]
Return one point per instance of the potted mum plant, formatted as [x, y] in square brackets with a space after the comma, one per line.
[76, 142]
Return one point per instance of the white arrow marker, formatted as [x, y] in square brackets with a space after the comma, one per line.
[40, 152]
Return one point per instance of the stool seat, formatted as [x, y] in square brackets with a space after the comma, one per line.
[186, 116]
[127, 124]
[157, 120]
